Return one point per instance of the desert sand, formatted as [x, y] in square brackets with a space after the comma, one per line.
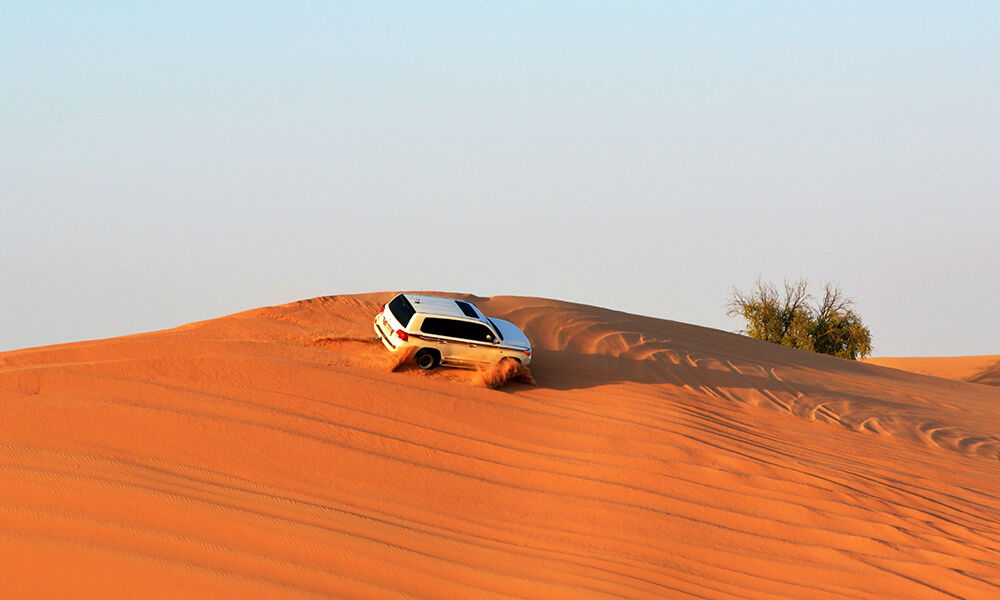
[278, 453]
[974, 369]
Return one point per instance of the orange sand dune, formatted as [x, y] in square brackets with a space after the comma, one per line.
[974, 369]
[278, 453]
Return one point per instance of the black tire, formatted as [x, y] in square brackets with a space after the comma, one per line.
[509, 359]
[427, 359]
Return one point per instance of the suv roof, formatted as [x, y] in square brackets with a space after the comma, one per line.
[445, 307]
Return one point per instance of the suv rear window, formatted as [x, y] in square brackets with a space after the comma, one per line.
[464, 330]
[401, 309]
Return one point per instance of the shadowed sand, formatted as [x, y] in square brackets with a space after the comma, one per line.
[281, 453]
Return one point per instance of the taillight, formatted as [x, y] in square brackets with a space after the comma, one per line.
[526, 352]
[402, 335]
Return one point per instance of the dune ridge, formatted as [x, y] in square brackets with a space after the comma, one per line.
[281, 453]
[973, 369]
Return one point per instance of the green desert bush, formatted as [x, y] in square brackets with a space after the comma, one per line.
[832, 327]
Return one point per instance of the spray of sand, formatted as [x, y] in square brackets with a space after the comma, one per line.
[496, 376]
[360, 351]
[398, 359]
[334, 340]
[368, 351]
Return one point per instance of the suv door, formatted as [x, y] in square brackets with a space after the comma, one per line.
[480, 339]
[461, 341]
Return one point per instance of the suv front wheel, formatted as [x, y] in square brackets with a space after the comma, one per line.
[427, 359]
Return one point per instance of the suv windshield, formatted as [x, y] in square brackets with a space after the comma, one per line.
[467, 309]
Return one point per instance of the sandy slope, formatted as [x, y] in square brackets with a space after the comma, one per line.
[275, 454]
[974, 369]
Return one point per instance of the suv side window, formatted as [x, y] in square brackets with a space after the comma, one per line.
[457, 329]
[436, 326]
[479, 333]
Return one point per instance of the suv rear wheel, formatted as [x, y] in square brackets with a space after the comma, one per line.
[427, 359]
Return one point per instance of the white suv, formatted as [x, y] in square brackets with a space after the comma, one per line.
[448, 332]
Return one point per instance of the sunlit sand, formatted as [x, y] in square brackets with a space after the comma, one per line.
[283, 453]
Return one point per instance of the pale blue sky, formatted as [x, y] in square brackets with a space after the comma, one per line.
[162, 163]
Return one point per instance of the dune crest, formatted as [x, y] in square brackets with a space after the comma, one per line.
[984, 370]
[282, 453]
